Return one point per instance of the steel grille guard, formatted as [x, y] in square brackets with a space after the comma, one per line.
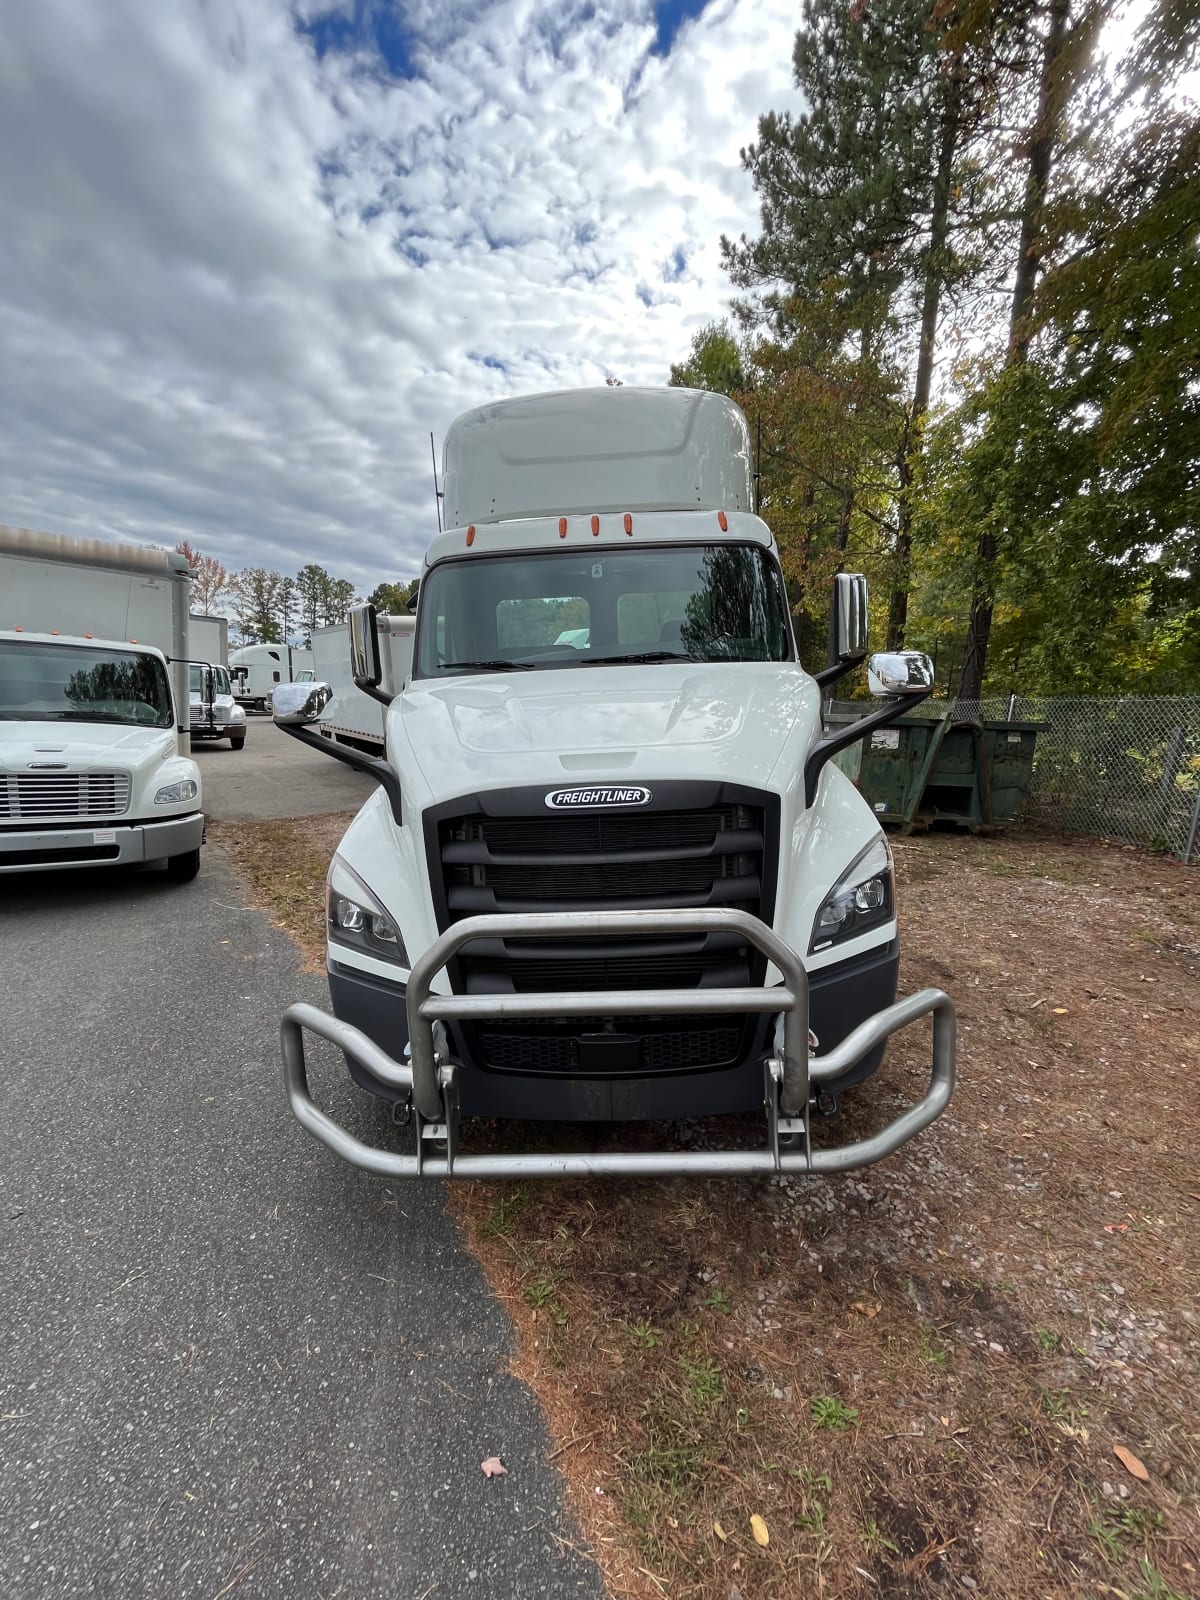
[431, 1077]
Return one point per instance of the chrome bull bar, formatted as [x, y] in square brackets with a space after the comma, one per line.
[430, 1076]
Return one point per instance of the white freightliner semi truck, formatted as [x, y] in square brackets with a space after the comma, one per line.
[258, 669]
[611, 871]
[95, 768]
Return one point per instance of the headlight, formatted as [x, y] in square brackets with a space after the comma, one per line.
[864, 897]
[174, 793]
[355, 918]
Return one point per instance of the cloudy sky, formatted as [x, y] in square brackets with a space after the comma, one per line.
[254, 251]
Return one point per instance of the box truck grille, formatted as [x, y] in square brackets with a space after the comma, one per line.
[31, 796]
[710, 855]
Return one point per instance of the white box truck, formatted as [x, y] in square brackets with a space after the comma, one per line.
[353, 717]
[611, 872]
[256, 670]
[95, 766]
[215, 714]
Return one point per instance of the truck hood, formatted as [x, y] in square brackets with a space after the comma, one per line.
[729, 721]
[81, 744]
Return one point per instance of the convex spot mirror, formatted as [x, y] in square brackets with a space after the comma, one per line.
[296, 704]
[900, 672]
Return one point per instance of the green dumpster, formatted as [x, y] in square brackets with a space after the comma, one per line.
[922, 770]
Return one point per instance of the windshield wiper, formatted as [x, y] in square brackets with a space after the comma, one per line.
[486, 666]
[639, 656]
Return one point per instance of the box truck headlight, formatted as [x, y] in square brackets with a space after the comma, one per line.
[174, 794]
[355, 918]
[863, 898]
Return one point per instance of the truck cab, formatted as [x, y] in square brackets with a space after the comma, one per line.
[91, 772]
[611, 873]
[214, 713]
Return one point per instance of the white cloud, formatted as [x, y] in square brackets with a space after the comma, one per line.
[242, 279]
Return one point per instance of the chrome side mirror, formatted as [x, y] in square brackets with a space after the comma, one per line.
[365, 665]
[295, 705]
[900, 672]
[848, 625]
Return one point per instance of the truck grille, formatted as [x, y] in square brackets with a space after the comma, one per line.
[712, 854]
[33, 796]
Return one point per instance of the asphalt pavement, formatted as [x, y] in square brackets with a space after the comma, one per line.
[274, 775]
[229, 1364]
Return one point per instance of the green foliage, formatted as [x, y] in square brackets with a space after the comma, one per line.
[830, 1412]
[391, 599]
[1056, 482]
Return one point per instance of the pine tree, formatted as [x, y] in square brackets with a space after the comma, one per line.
[872, 193]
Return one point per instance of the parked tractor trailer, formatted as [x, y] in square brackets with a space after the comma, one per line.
[611, 872]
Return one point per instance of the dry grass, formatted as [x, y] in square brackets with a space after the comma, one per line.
[914, 1375]
[283, 865]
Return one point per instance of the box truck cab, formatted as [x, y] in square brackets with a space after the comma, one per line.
[214, 713]
[95, 767]
[611, 872]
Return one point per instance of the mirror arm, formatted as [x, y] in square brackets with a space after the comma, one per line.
[828, 747]
[373, 689]
[381, 771]
[838, 669]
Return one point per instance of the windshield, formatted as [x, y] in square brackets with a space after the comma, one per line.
[81, 683]
[574, 608]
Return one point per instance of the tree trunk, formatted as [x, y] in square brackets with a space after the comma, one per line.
[1052, 95]
[912, 443]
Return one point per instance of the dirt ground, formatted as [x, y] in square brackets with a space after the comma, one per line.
[972, 1369]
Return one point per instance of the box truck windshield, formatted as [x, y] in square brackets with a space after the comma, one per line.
[693, 602]
[82, 683]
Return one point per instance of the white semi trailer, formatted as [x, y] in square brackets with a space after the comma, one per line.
[258, 669]
[353, 717]
[611, 871]
[95, 766]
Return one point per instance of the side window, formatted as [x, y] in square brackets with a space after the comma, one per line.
[275, 677]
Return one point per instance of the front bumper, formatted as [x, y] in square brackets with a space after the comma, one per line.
[433, 1078]
[122, 844]
[840, 997]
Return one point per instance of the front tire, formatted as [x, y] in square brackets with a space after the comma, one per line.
[236, 741]
[182, 869]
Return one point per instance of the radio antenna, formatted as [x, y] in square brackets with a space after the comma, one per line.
[437, 493]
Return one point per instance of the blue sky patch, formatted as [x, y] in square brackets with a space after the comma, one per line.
[670, 16]
[368, 26]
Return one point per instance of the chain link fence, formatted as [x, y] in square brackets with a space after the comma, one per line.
[1124, 769]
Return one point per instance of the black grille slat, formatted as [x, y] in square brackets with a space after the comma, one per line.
[687, 971]
[728, 842]
[711, 854]
[601, 832]
[701, 1043]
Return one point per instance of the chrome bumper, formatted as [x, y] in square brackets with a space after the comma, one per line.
[431, 1076]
